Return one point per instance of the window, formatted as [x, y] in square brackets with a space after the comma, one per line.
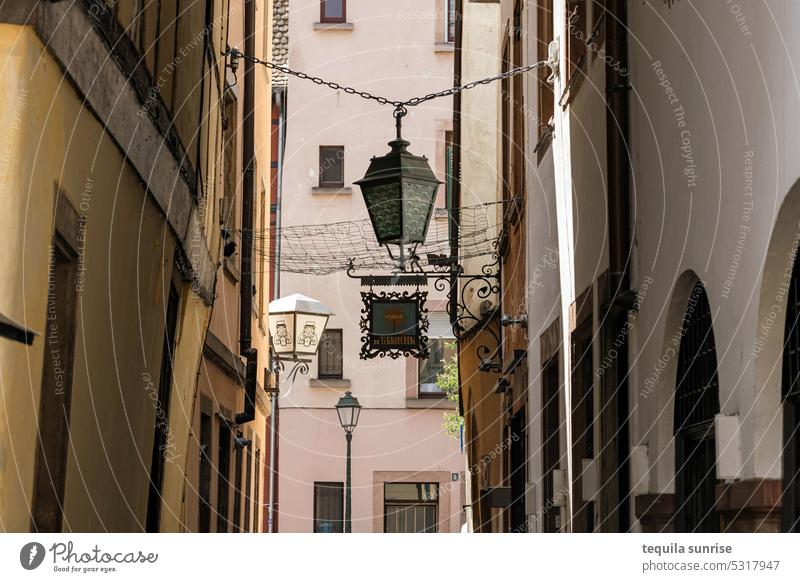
[204, 509]
[441, 344]
[331, 166]
[696, 404]
[544, 25]
[576, 34]
[248, 500]
[56, 395]
[449, 152]
[442, 351]
[450, 21]
[237, 490]
[411, 507]
[257, 497]
[328, 507]
[223, 477]
[161, 421]
[333, 10]
[330, 354]
[227, 216]
[518, 114]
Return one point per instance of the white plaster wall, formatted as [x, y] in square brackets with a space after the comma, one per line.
[740, 93]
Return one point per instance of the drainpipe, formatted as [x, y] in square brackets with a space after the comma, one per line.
[248, 196]
[455, 199]
[280, 99]
[618, 177]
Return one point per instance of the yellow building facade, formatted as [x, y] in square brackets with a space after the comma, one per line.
[111, 173]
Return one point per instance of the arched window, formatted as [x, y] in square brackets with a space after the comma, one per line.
[696, 403]
[791, 407]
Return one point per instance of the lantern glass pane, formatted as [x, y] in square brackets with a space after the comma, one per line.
[309, 333]
[356, 413]
[419, 197]
[345, 416]
[383, 204]
[281, 330]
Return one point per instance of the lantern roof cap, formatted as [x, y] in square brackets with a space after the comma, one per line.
[299, 303]
[399, 162]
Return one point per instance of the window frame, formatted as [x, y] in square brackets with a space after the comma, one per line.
[337, 148]
[331, 485]
[441, 393]
[449, 9]
[411, 504]
[545, 99]
[333, 376]
[332, 19]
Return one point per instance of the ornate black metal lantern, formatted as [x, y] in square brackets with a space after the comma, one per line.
[399, 190]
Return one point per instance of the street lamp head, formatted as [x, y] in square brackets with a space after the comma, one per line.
[348, 410]
[399, 191]
[296, 324]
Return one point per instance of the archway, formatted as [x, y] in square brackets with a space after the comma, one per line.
[790, 396]
[696, 404]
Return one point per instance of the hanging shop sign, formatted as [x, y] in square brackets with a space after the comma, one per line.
[394, 324]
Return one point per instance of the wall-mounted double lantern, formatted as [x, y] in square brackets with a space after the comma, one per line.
[296, 324]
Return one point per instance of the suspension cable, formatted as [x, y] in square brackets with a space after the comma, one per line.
[397, 104]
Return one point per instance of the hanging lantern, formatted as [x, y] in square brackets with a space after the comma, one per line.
[296, 324]
[399, 190]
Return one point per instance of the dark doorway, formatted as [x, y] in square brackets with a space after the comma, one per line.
[696, 404]
[161, 422]
[582, 423]
[519, 471]
[551, 446]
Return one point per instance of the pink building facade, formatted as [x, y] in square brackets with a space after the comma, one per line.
[407, 473]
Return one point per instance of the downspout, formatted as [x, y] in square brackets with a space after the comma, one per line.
[455, 199]
[618, 178]
[248, 196]
[280, 98]
[455, 221]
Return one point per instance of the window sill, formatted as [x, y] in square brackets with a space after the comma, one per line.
[335, 191]
[436, 403]
[444, 47]
[329, 383]
[333, 26]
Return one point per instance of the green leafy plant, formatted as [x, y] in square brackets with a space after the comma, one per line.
[447, 380]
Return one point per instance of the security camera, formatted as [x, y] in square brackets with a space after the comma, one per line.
[242, 442]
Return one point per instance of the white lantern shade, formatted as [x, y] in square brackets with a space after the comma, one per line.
[296, 324]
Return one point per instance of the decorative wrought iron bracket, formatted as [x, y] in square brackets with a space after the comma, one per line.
[447, 275]
[299, 366]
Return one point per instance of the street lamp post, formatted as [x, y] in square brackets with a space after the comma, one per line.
[296, 324]
[348, 410]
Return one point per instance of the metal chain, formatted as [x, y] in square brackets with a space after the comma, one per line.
[398, 105]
